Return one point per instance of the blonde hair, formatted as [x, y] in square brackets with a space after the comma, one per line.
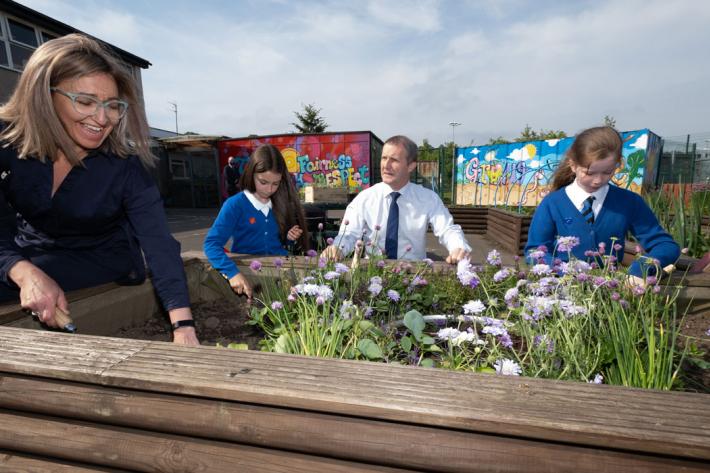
[31, 122]
[593, 144]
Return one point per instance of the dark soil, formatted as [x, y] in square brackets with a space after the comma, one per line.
[217, 322]
[695, 325]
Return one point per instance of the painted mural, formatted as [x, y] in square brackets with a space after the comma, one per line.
[518, 174]
[323, 160]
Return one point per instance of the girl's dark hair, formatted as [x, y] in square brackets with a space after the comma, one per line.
[285, 202]
[591, 145]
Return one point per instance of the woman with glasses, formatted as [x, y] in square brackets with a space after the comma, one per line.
[83, 209]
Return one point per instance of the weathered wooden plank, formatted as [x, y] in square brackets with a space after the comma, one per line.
[12, 462]
[136, 450]
[370, 441]
[600, 416]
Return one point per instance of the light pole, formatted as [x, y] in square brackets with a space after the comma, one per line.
[174, 109]
[453, 167]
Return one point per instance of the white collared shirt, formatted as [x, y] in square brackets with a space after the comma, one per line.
[578, 195]
[419, 207]
[264, 208]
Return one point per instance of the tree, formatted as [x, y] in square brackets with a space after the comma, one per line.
[609, 121]
[310, 121]
[498, 141]
[528, 134]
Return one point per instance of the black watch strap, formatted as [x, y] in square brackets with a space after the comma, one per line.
[183, 323]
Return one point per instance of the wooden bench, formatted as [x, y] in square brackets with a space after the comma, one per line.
[92, 403]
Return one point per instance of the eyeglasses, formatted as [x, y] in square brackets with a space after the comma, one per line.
[87, 105]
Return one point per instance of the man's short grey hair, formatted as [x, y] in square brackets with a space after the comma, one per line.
[410, 147]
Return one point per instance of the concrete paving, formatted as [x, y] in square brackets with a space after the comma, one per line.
[190, 226]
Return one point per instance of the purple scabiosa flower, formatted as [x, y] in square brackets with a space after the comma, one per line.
[501, 275]
[380, 264]
[330, 275]
[507, 367]
[474, 307]
[516, 258]
[291, 298]
[541, 270]
[368, 312]
[651, 280]
[329, 241]
[505, 340]
[320, 300]
[589, 253]
[341, 268]
[707, 332]
[598, 379]
[255, 265]
[522, 275]
[582, 277]
[617, 247]
[393, 295]
[601, 246]
[374, 288]
[419, 281]
[656, 289]
[612, 283]
[359, 244]
[624, 303]
[566, 243]
[542, 248]
[599, 281]
[322, 262]
[594, 265]
[638, 290]
[448, 333]
[493, 258]
[427, 261]
[278, 262]
[511, 297]
[320, 227]
[638, 249]
[536, 255]
[311, 253]
[277, 305]
[615, 296]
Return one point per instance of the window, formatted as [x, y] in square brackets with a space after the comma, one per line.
[178, 168]
[18, 40]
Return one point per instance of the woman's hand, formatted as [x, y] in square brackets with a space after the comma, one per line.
[38, 292]
[332, 253]
[241, 285]
[183, 335]
[294, 233]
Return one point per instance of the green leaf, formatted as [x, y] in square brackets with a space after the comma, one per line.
[370, 349]
[406, 343]
[414, 321]
[427, 340]
[366, 325]
[700, 363]
[238, 346]
[486, 369]
[281, 343]
[427, 363]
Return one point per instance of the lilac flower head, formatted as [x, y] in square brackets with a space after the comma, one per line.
[541, 270]
[255, 265]
[448, 333]
[291, 298]
[505, 340]
[502, 275]
[278, 262]
[536, 255]
[511, 297]
[466, 275]
[320, 227]
[322, 262]
[707, 332]
[638, 290]
[656, 289]
[589, 253]
[277, 305]
[341, 268]
[493, 258]
[320, 300]
[615, 296]
[516, 258]
[474, 307]
[380, 264]
[507, 367]
[651, 280]
[393, 295]
[428, 262]
[566, 243]
[330, 275]
[311, 253]
[329, 241]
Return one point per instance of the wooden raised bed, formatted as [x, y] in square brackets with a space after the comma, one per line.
[471, 219]
[508, 229]
[86, 403]
[152, 406]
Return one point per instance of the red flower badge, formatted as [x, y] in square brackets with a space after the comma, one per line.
[252, 220]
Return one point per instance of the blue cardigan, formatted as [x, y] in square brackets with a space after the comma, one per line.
[623, 211]
[251, 232]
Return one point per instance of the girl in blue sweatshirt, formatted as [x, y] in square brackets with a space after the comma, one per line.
[262, 219]
[583, 204]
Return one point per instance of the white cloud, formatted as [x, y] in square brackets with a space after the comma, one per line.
[417, 15]
[641, 142]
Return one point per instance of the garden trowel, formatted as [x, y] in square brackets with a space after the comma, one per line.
[65, 322]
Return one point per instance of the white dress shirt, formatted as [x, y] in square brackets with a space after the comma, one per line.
[366, 218]
[578, 195]
[264, 208]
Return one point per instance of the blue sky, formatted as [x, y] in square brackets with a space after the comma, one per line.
[411, 67]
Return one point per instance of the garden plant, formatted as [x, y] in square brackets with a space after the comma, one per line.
[576, 320]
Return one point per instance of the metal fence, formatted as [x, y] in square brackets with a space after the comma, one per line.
[685, 159]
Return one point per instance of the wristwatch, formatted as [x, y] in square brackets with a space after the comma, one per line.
[183, 323]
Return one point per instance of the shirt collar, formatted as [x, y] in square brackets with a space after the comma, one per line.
[258, 205]
[578, 195]
[402, 191]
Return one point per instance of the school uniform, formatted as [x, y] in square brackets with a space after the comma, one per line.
[616, 212]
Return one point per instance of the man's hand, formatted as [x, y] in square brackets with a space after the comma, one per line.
[183, 335]
[241, 285]
[456, 255]
[332, 253]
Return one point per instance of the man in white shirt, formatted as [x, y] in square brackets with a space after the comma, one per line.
[367, 218]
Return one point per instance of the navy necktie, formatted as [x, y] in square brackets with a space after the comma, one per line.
[392, 227]
[587, 212]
